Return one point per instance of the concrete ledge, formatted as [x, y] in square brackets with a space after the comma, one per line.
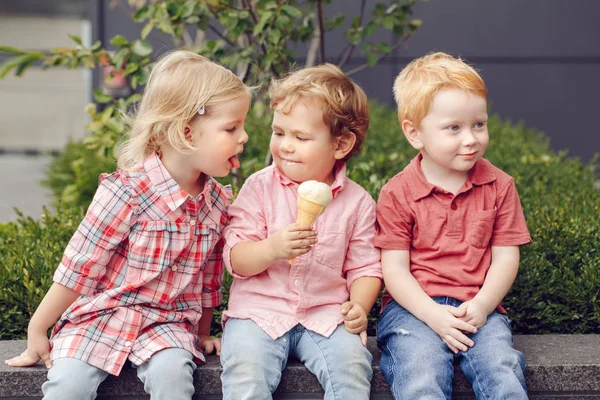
[558, 367]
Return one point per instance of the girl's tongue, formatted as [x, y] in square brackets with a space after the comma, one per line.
[234, 162]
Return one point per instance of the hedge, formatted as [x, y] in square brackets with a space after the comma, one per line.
[558, 286]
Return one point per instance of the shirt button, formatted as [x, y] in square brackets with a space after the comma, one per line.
[193, 222]
[453, 206]
[297, 282]
[128, 343]
[138, 308]
[174, 268]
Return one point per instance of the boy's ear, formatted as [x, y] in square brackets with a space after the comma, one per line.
[412, 134]
[345, 144]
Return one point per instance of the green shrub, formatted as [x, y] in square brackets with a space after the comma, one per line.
[30, 251]
[558, 286]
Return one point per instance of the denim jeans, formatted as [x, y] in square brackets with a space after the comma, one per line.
[168, 375]
[253, 362]
[418, 364]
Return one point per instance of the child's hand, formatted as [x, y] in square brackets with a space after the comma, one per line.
[292, 241]
[447, 323]
[476, 312]
[38, 348]
[210, 343]
[355, 319]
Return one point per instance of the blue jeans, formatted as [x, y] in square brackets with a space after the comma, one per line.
[253, 362]
[168, 375]
[418, 364]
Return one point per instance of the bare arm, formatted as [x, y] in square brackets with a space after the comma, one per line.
[405, 289]
[499, 278]
[364, 291]
[55, 302]
[252, 258]
[207, 343]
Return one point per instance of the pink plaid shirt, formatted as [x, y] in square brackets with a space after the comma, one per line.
[310, 291]
[146, 258]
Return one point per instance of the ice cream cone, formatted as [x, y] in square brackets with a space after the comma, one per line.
[308, 211]
[313, 198]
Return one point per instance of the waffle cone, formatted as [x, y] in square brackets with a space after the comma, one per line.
[308, 211]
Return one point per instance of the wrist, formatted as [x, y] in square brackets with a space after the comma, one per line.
[487, 306]
[271, 252]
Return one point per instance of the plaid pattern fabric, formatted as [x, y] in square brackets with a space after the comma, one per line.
[146, 258]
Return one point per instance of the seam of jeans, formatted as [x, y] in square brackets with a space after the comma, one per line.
[325, 358]
[476, 377]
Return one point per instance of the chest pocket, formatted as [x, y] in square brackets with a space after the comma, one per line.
[330, 249]
[156, 245]
[481, 226]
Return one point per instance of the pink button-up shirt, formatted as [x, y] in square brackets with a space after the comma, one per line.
[311, 290]
[146, 258]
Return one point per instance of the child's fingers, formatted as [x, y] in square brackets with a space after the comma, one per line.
[457, 312]
[346, 307]
[218, 347]
[208, 347]
[452, 348]
[47, 361]
[25, 359]
[363, 338]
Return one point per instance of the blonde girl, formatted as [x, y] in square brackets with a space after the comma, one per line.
[141, 274]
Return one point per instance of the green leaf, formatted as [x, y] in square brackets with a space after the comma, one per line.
[142, 48]
[97, 44]
[142, 14]
[101, 97]
[372, 59]
[9, 49]
[264, 19]
[76, 39]
[291, 11]
[119, 40]
[188, 8]
[131, 67]
[146, 30]
[274, 36]
[14, 62]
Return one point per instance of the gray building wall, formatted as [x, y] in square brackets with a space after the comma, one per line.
[539, 58]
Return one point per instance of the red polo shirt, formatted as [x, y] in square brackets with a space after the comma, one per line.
[450, 236]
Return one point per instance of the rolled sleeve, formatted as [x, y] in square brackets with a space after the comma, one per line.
[247, 222]
[362, 257]
[105, 225]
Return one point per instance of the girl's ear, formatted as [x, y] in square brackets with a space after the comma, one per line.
[412, 134]
[187, 131]
[345, 144]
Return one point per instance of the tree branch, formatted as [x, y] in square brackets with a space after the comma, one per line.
[350, 48]
[321, 30]
[364, 66]
[220, 34]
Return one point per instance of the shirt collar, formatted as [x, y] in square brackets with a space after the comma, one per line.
[214, 193]
[337, 185]
[481, 174]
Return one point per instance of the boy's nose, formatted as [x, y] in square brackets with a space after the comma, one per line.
[469, 138]
[286, 146]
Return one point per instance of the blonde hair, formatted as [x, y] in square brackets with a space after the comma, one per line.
[418, 83]
[344, 103]
[180, 84]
